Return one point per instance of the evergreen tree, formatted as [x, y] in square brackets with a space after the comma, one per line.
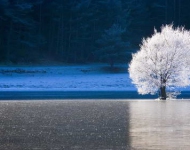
[112, 47]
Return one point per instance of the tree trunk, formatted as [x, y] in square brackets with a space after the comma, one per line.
[166, 12]
[8, 46]
[163, 93]
[111, 64]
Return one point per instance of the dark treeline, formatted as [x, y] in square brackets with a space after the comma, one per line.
[79, 31]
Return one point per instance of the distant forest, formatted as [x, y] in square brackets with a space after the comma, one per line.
[81, 31]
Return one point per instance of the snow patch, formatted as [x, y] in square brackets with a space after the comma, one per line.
[63, 78]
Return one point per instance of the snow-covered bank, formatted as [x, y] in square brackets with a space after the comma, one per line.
[63, 78]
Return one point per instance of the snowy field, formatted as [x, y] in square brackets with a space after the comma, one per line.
[64, 78]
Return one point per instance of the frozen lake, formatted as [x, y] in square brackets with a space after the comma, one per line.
[95, 125]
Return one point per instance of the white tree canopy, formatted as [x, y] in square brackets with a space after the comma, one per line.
[163, 60]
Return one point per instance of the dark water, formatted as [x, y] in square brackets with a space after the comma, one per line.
[44, 95]
[94, 125]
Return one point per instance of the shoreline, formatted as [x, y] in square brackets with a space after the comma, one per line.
[42, 95]
[78, 95]
[63, 95]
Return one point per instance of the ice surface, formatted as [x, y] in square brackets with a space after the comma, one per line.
[64, 125]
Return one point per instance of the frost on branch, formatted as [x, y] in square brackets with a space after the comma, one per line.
[172, 95]
[162, 62]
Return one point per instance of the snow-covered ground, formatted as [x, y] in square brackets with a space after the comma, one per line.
[63, 78]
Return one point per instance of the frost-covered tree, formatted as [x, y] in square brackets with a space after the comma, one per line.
[162, 62]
